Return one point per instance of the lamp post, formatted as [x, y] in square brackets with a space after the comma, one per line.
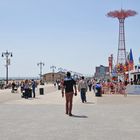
[53, 70]
[7, 54]
[40, 64]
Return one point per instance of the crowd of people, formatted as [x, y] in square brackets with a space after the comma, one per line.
[98, 86]
[27, 88]
[69, 88]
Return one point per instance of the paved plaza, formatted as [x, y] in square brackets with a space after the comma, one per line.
[111, 117]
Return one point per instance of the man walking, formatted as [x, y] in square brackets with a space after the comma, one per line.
[33, 87]
[69, 86]
[82, 87]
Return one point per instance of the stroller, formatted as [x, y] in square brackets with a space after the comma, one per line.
[14, 88]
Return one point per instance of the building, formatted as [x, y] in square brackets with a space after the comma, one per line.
[51, 77]
[102, 72]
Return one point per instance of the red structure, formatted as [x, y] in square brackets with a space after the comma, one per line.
[110, 61]
[121, 56]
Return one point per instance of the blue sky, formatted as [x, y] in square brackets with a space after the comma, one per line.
[72, 34]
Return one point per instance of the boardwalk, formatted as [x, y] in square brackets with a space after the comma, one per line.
[111, 117]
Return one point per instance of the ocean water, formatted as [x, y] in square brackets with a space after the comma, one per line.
[19, 78]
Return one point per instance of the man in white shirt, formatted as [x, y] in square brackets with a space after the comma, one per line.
[82, 87]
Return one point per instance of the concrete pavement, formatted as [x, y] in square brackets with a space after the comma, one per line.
[111, 117]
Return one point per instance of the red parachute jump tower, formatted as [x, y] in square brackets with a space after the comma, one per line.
[121, 15]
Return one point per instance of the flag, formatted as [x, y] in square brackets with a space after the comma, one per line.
[131, 61]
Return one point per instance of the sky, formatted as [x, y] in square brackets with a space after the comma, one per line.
[75, 35]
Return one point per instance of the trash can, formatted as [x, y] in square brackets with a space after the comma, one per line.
[59, 86]
[41, 91]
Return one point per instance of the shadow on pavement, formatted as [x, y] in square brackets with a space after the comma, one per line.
[89, 103]
[79, 116]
